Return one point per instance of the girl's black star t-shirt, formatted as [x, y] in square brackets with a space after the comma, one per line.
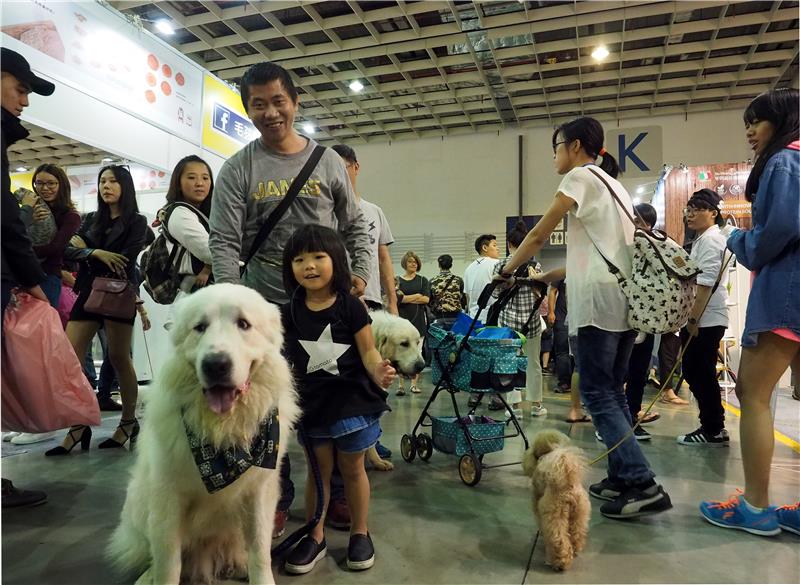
[330, 376]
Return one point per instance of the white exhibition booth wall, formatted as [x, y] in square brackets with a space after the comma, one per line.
[98, 62]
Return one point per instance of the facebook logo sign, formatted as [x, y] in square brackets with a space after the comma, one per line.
[639, 151]
[233, 125]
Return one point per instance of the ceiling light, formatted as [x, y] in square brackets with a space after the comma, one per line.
[165, 27]
[640, 190]
[308, 128]
[22, 169]
[356, 86]
[600, 53]
[107, 160]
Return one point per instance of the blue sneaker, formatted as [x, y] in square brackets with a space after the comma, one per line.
[789, 518]
[383, 452]
[735, 514]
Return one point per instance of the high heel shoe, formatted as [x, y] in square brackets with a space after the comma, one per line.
[84, 438]
[132, 436]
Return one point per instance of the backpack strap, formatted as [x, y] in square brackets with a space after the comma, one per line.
[168, 211]
[657, 234]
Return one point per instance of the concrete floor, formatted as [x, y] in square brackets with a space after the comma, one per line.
[428, 527]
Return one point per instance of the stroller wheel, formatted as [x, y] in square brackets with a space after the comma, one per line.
[424, 446]
[470, 469]
[407, 448]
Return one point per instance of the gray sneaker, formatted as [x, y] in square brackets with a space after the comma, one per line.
[606, 490]
[636, 502]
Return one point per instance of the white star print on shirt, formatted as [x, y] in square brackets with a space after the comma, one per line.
[323, 353]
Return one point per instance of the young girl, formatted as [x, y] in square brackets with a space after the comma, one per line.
[771, 337]
[107, 244]
[340, 376]
[598, 310]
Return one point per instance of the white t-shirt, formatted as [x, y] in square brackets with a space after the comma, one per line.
[476, 277]
[707, 252]
[596, 221]
[379, 235]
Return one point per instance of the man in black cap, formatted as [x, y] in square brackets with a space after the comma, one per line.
[20, 267]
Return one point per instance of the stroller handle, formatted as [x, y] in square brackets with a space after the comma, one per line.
[487, 291]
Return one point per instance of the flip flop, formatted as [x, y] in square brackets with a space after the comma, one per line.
[584, 418]
[649, 417]
[676, 400]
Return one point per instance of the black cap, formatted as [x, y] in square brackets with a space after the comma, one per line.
[707, 196]
[15, 64]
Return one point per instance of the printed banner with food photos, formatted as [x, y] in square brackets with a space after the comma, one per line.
[97, 51]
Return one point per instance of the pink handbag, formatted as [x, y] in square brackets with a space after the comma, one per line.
[65, 303]
[43, 386]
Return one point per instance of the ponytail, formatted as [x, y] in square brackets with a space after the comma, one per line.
[609, 164]
[590, 132]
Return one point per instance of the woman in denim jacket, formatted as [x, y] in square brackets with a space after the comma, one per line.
[771, 339]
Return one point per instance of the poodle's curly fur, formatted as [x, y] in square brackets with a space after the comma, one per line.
[560, 502]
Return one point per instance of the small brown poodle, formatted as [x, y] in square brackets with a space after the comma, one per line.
[560, 502]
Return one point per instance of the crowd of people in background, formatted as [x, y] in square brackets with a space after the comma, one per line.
[579, 334]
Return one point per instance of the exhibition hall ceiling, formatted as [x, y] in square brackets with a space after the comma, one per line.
[44, 146]
[436, 68]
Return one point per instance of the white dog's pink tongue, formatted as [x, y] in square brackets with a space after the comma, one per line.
[220, 399]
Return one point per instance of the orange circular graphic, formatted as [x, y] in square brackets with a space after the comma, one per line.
[161, 173]
[166, 88]
[152, 62]
[179, 79]
[150, 96]
[166, 70]
[151, 79]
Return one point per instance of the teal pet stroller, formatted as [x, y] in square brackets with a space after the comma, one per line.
[477, 365]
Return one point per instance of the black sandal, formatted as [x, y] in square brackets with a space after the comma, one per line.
[132, 436]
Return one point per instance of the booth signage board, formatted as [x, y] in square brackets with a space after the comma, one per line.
[639, 151]
[226, 127]
[557, 240]
[98, 52]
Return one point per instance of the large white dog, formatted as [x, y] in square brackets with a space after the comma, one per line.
[202, 497]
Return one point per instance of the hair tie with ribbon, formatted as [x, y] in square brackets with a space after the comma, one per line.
[602, 151]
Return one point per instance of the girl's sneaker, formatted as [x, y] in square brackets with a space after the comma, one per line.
[735, 513]
[789, 518]
[305, 556]
[360, 552]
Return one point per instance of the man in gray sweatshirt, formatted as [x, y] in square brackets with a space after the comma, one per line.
[254, 181]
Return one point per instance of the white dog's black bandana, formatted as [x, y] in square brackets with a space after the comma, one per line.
[220, 468]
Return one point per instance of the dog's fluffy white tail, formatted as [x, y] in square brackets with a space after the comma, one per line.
[128, 549]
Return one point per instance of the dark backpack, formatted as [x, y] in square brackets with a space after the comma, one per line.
[159, 265]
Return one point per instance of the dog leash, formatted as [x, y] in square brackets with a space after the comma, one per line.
[298, 534]
[668, 378]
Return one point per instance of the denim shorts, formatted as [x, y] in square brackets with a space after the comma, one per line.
[349, 435]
